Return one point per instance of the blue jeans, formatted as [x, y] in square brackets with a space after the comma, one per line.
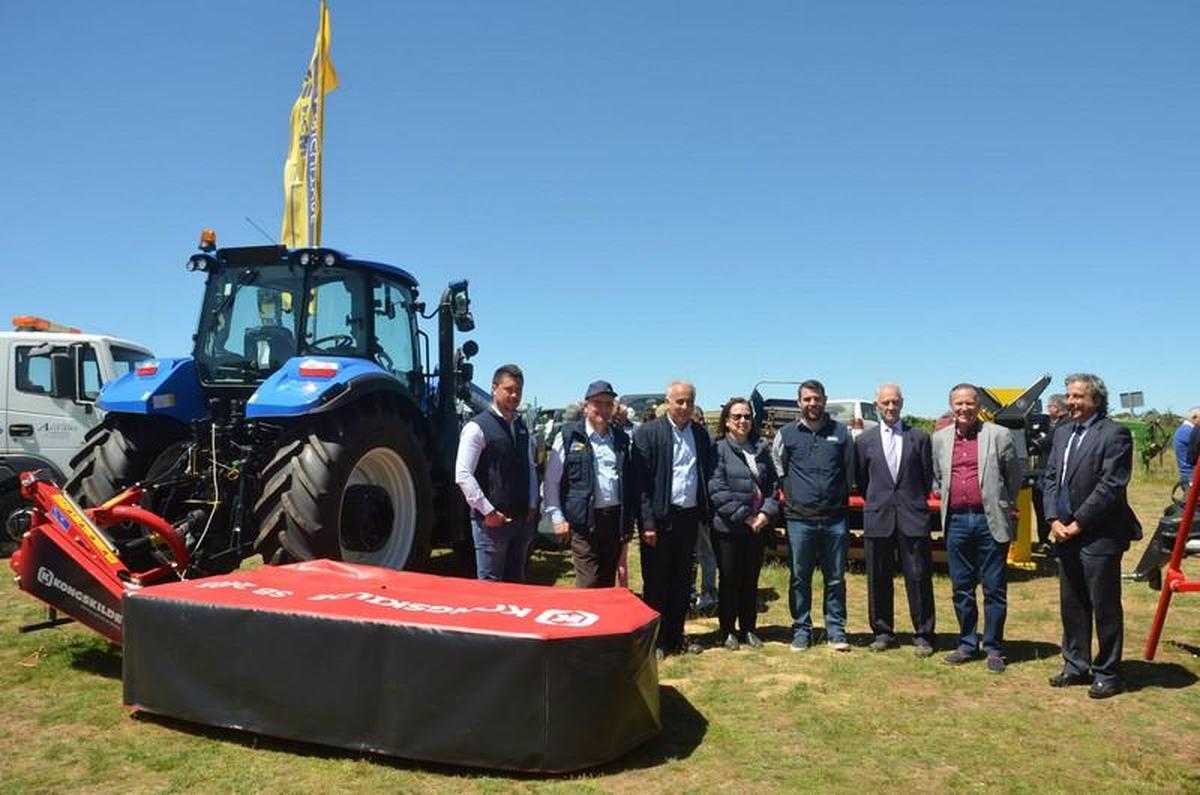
[500, 552]
[974, 557]
[829, 540]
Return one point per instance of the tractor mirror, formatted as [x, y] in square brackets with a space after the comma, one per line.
[460, 307]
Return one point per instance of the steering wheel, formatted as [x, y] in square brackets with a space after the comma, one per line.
[338, 340]
[385, 361]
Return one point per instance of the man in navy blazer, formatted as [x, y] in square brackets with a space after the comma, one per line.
[895, 475]
[1091, 525]
[675, 458]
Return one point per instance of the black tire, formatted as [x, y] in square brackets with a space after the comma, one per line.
[118, 453]
[11, 501]
[354, 486]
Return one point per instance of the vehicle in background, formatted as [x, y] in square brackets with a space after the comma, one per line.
[50, 375]
[855, 413]
[642, 405]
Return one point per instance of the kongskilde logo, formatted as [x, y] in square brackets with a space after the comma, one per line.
[567, 618]
[51, 580]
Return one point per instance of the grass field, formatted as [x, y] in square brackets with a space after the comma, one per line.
[741, 721]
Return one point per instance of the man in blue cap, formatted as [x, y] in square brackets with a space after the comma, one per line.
[590, 488]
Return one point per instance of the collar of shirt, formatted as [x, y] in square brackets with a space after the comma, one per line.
[971, 433]
[603, 438]
[897, 429]
[500, 414]
[1088, 423]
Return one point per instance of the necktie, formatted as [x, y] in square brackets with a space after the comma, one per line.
[893, 460]
[1064, 498]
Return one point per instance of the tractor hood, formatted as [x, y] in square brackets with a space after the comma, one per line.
[307, 384]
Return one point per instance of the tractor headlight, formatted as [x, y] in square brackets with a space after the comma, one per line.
[305, 258]
[330, 259]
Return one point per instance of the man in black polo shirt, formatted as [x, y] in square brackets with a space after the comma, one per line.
[590, 488]
[495, 471]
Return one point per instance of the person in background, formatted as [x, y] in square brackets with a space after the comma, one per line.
[979, 473]
[591, 489]
[495, 470]
[895, 476]
[704, 603]
[742, 486]
[814, 457]
[1092, 525]
[675, 459]
[623, 421]
[1183, 437]
[1056, 411]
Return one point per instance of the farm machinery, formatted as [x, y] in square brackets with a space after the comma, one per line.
[310, 421]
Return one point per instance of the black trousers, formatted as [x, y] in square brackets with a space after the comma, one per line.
[739, 558]
[1089, 589]
[916, 562]
[665, 570]
[596, 552]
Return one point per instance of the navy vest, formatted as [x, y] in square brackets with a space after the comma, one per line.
[578, 483]
[503, 468]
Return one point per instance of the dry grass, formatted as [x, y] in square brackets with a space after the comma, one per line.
[733, 721]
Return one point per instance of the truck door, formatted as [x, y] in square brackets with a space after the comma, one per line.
[44, 417]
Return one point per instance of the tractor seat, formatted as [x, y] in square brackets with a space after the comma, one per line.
[269, 346]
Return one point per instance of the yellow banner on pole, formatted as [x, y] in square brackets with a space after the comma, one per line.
[302, 171]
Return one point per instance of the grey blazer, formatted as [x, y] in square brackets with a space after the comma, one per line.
[1000, 473]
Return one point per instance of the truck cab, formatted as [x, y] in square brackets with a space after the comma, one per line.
[50, 376]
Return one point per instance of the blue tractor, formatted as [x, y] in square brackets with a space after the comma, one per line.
[308, 422]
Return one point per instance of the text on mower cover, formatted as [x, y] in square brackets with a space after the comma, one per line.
[52, 580]
[549, 617]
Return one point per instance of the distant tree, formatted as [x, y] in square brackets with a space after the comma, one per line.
[918, 422]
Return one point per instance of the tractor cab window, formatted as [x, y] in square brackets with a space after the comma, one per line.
[337, 315]
[248, 327]
[395, 327]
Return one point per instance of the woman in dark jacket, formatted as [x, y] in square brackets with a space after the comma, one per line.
[742, 492]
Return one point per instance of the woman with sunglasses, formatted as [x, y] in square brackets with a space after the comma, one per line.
[742, 491]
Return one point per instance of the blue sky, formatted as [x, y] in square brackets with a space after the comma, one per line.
[922, 192]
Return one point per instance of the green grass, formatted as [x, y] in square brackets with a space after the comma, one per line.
[741, 721]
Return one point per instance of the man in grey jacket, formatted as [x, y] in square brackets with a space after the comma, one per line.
[979, 475]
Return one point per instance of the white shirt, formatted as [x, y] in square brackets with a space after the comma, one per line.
[684, 476]
[606, 482]
[471, 443]
[1087, 424]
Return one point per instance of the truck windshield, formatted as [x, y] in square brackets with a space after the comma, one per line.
[249, 323]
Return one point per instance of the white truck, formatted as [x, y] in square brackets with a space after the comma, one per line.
[50, 376]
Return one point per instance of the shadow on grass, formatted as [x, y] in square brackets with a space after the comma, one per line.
[683, 729]
[96, 657]
[1143, 675]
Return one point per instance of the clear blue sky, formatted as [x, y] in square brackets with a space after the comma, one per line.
[856, 191]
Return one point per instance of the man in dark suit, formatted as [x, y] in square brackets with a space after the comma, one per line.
[1091, 525]
[895, 474]
[676, 458]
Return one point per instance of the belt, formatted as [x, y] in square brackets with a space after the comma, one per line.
[611, 510]
[966, 510]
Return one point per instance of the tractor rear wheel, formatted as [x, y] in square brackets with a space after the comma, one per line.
[118, 453]
[354, 486]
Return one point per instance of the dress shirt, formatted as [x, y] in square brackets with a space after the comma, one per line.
[965, 494]
[606, 483]
[684, 477]
[893, 446]
[470, 446]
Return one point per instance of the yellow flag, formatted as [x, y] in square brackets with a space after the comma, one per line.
[302, 171]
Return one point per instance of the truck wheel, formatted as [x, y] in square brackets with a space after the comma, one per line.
[356, 487]
[118, 453]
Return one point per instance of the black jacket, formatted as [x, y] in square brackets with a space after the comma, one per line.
[578, 482]
[655, 445]
[731, 487]
[1097, 476]
[899, 506]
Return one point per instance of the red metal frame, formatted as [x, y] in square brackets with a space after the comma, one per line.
[68, 561]
[1174, 580]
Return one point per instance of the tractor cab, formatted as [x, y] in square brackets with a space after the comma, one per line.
[264, 305]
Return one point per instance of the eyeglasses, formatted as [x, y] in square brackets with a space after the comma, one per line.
[736, 417]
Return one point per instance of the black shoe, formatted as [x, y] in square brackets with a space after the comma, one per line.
[690, 647]
[1064, 679]
[921, 649]
[995, 663]
[731, 642]
[882, 644]
[753, 641]
[958, 657]
[1106, 689]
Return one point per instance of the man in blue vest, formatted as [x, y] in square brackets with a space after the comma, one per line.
[495, 471]
[591, 489]
[815, 459]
